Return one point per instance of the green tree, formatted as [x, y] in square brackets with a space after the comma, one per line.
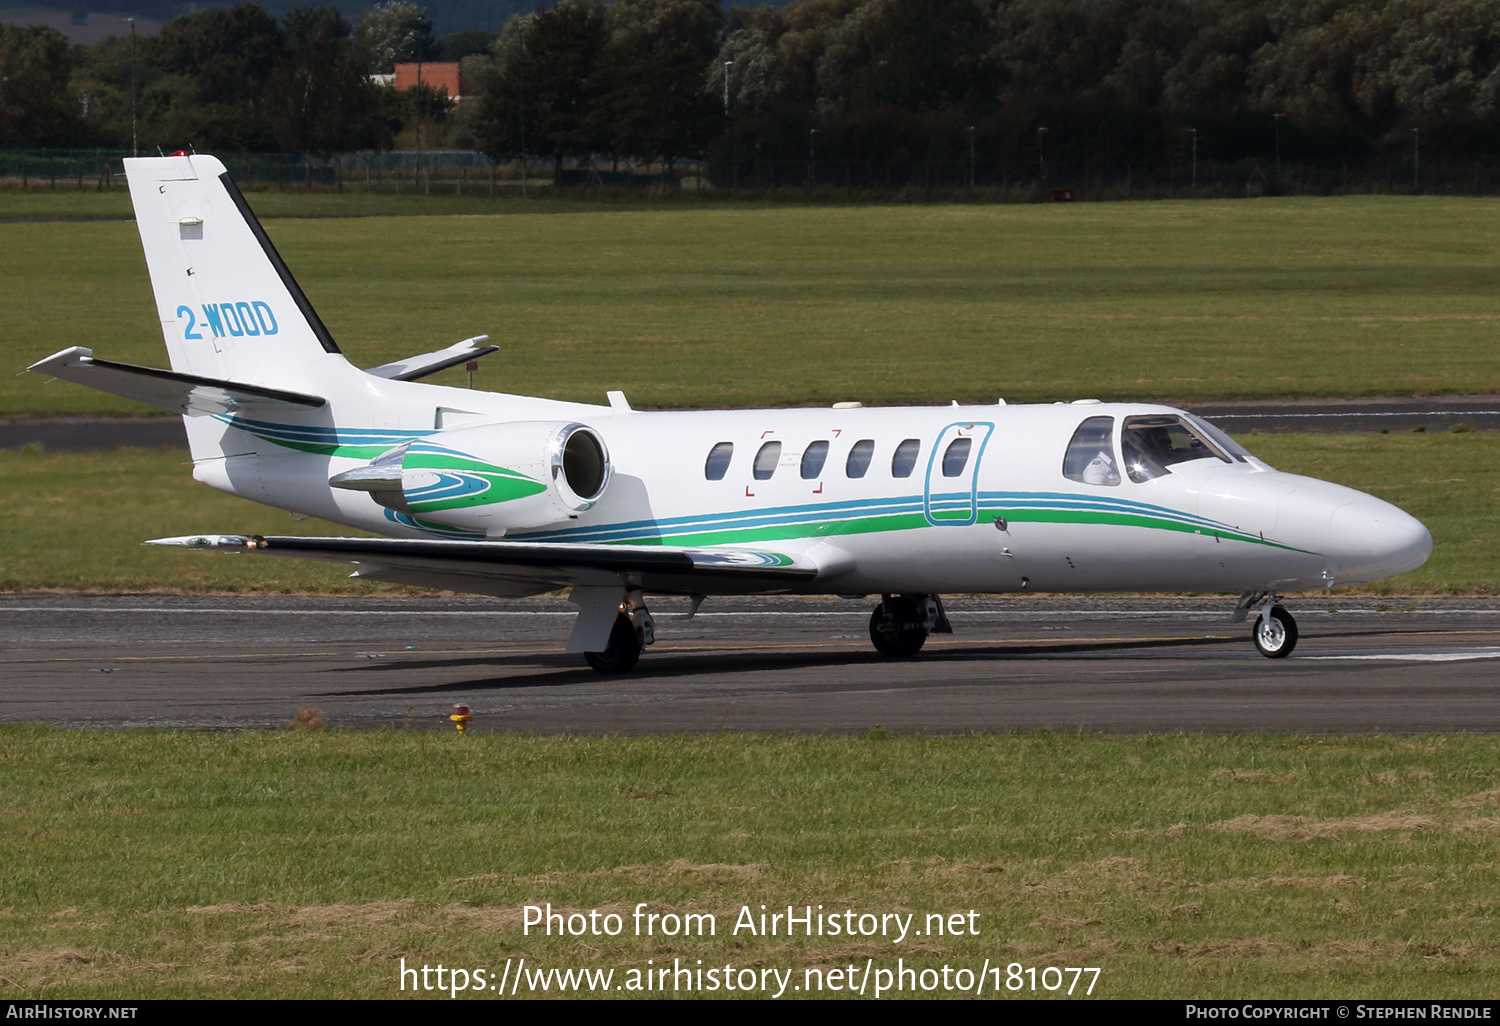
[324, 99]
[219, 64]
[396, 32]
[916, 55]
[546, 95]
[653, 73]
[34, 106]
[457, 45]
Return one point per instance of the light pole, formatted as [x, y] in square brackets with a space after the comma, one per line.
[971, 158]
[1041, 157]
[726, 87]
[1277, 123]
[1416, 156]
[812, 158]
[1195, 158]
[135, 146]
[521, 26]
[418, 33]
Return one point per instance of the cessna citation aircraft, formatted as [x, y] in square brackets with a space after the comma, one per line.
[507, 495]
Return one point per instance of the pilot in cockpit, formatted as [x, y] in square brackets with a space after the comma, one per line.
[1101, 471]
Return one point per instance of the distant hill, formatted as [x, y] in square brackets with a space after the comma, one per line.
[66, 15]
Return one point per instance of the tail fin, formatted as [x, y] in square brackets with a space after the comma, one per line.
[229, 308]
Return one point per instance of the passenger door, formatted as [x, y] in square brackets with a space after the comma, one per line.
[951, 495]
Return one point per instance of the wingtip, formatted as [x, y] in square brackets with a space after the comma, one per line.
[210, 541]
[61, 357]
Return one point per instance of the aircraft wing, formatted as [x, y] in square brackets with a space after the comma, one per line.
[505, 568]
[187, 394]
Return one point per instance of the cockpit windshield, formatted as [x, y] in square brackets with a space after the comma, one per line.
[1224, 442]
[1155, 443]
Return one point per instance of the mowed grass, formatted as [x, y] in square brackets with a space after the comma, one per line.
[706, 305]
[142, 864]
[75, 520]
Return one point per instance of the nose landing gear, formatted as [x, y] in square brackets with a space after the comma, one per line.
[900, 624]
[1275, 631]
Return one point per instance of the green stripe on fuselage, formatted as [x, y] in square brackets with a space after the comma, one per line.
[914, 521]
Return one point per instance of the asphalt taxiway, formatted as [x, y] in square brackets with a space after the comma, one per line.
[758, 664]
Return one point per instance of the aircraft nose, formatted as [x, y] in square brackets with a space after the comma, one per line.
[1374, 539]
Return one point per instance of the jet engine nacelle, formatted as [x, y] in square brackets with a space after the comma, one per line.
[492, 478]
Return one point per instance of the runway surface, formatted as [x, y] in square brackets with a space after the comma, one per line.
[1382, 413]
[1396, 413]
[760, 664]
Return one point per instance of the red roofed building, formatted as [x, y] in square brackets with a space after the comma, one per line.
[435, 75]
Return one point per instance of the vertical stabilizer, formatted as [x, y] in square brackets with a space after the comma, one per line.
[228, 306]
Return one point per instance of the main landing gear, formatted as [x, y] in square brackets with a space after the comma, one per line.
[633, 631]
[1275, 631]
[900, 624]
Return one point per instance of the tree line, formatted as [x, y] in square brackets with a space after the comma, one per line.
[866, 80]
[227, 79]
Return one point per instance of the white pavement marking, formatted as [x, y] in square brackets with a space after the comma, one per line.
[1353, 413]
[1421, 657]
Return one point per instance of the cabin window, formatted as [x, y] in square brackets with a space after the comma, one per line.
[766, 459]
[859, 458]
[717, 464]
[956, 456]
[905, 458]
[1090, 458]
[813, 459]
[1153, 444]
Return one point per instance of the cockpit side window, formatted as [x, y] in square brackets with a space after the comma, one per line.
[1153, 444]
[1090, 458]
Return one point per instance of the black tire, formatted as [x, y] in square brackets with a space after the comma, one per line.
[622, 652]
[1275, 636]
[905, 636]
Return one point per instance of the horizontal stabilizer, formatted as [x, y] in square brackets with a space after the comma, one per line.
[527, 568]
[187, 394]
[414, 367]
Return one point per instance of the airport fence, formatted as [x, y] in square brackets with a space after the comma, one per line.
[1033, 180]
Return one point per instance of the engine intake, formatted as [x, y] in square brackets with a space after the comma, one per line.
[494, 478]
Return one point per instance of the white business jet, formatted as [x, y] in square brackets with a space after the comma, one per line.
[507, 495]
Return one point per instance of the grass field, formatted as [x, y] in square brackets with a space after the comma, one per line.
[75, 520]
[730, 305]
[306, 864]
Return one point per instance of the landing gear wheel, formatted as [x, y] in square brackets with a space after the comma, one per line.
[622, 652]
[1276, 635]
[903, 636]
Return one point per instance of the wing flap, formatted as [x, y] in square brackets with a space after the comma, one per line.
[187, 394]
[521, 568]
